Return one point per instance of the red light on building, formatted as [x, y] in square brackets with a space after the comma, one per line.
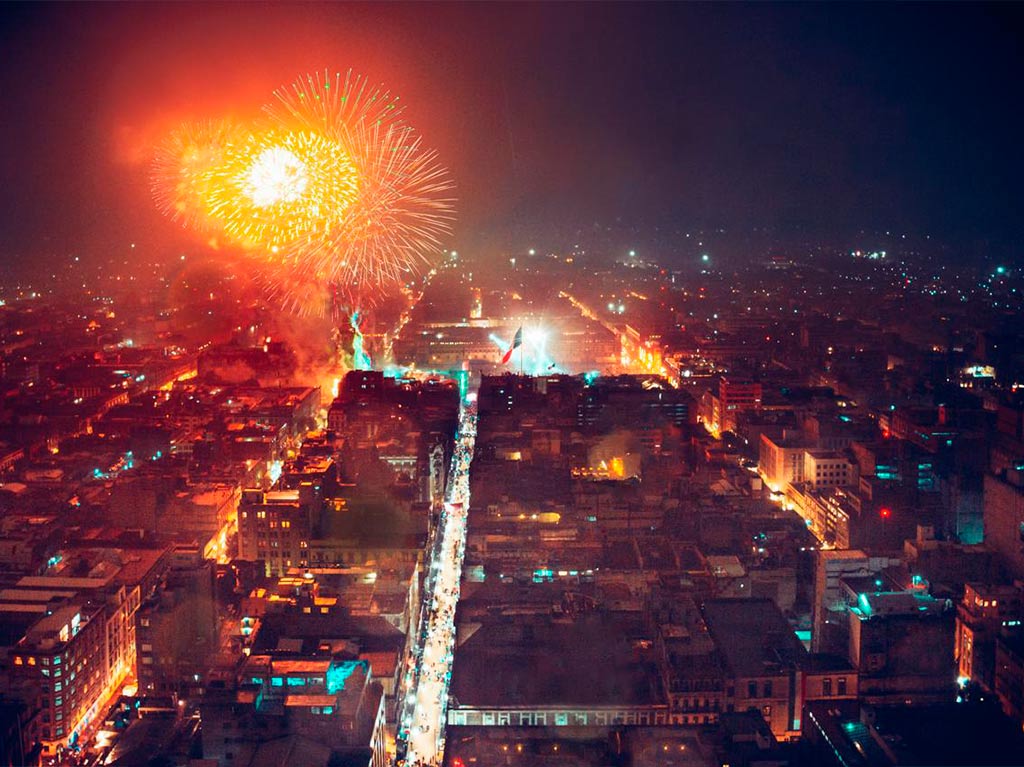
[885, 512]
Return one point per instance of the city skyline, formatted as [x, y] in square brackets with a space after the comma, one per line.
[536, 385]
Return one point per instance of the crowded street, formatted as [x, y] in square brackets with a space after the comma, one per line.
[422, 727]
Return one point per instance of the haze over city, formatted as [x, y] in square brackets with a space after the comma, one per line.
[449, 384]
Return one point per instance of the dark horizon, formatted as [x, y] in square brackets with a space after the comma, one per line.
[627, 124]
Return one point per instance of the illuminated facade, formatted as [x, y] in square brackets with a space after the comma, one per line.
[983, 613]
[780, 462]
[65, 660]
[75, 657]
[274, 528]
[739, 395]
[828, 469]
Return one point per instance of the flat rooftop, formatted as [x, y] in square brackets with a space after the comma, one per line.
[753, 636]
[531, 660]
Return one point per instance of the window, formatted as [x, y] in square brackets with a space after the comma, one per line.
[277, 681]
[826, 687]
[768, 689]
[296, 681]
[751, 689]
[842, 685]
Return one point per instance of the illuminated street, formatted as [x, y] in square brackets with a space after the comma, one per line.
[424, 721]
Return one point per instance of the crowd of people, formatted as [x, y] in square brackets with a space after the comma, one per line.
[424, 734]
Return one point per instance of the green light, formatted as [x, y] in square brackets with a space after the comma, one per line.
[340, 671]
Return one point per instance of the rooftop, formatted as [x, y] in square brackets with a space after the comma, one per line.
[753, 636]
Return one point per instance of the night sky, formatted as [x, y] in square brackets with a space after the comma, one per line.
[560, 123]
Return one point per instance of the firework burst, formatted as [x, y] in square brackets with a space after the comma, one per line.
[404, 207]
[336, 202]
[282, 189]
[182, 177]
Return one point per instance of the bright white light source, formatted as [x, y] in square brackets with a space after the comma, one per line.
[535, 336]
[276, 176]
